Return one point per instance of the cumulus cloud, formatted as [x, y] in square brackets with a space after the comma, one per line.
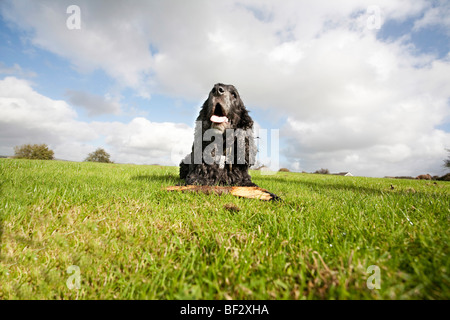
[108, 39]
[27, 116]
[142, 141]
[16, 70]
[352, 101]
[94, 104]
[385, 113]
[437, 15]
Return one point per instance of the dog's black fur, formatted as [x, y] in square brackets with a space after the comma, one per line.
[223, 100]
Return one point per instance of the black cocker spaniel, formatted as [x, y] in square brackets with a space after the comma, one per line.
[224, 147]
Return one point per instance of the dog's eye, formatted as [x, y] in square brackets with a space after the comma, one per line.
[234, 95]
[213, 90]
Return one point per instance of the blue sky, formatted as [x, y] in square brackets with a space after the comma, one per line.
[342, 95]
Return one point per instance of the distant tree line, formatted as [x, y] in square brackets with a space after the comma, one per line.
[322, 171]
[43, 152]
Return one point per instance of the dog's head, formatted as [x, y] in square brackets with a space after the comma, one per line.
[224, 109]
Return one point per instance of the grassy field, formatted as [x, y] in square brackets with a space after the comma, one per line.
[123, 236]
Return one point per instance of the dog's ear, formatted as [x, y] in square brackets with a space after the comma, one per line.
[202, 114]
[245, 121]
[201, 123]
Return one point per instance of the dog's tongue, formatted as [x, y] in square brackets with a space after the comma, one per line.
[217, 119]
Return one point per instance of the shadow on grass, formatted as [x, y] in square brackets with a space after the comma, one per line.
[161, 178]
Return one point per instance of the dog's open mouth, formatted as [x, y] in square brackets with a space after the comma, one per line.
[218, 115]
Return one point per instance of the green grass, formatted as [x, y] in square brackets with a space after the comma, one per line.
[131, 239]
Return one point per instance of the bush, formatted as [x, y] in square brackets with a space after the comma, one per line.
[284, 170]
[99, 155]
[322, 171]
[447, 162]
[445, 177]
[35, 152]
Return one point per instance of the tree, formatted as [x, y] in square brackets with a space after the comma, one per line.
[35, 151]
[99, 155]
[447, 162]
[322, 171]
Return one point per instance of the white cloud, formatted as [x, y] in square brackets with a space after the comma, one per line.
[104, 40]
[16, 70]
[351, 100]
[29, 117]
[198, 43]
[94, 104]
[435, 16]
[143, 141]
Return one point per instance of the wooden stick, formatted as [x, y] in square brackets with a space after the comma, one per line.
[244, 192]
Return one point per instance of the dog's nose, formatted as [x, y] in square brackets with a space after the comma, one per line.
[218, 90]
